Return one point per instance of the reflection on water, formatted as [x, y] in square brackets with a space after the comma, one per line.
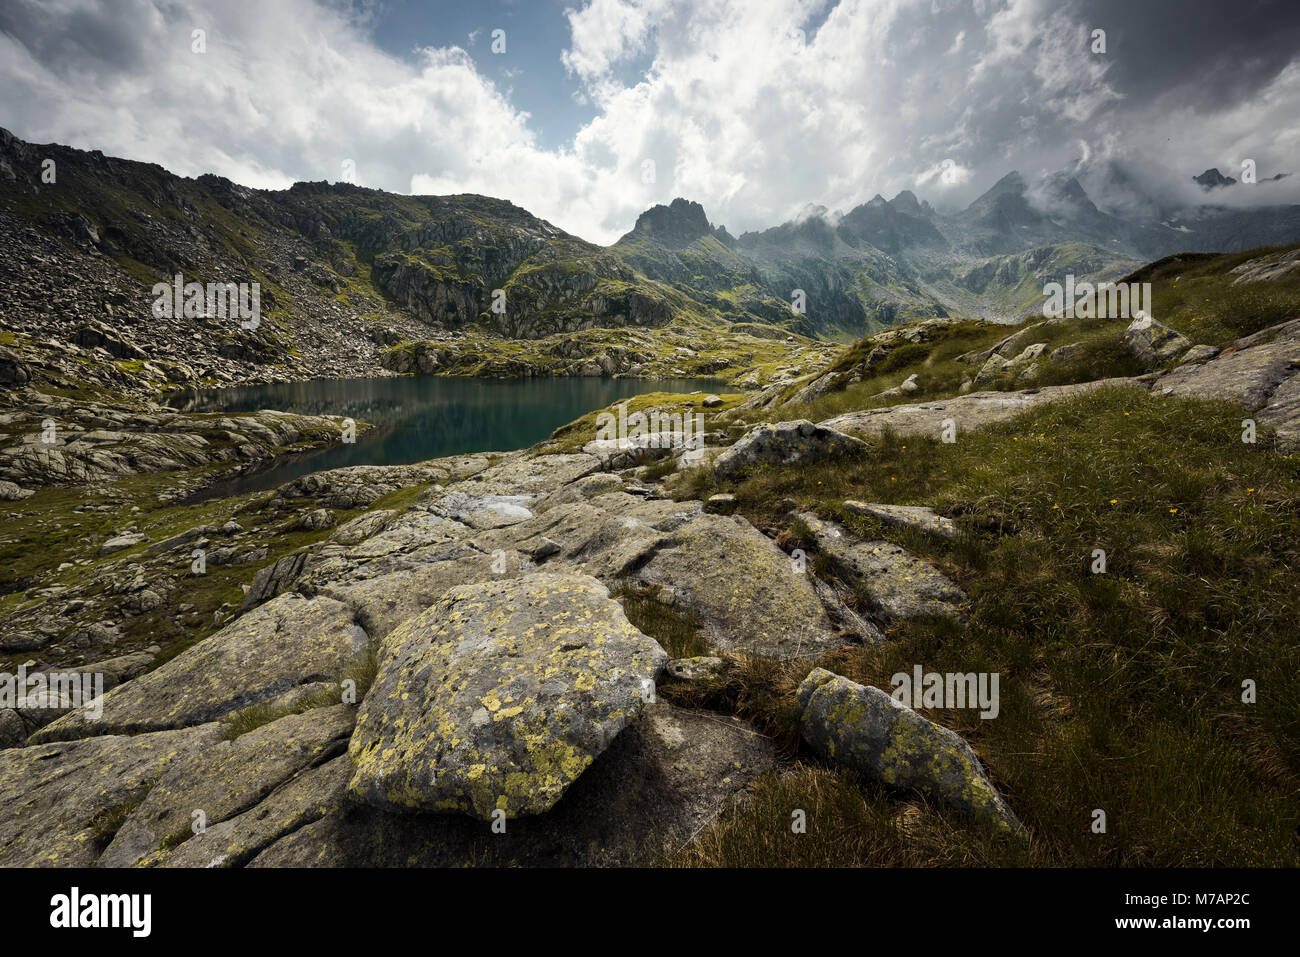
[423, 417]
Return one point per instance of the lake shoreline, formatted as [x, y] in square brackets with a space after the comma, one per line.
[412, 419]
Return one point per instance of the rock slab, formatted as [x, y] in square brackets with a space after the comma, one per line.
[499, 696]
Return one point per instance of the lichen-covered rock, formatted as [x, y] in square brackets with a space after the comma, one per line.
[287, 642]
[896, 582]
[304, 799]
[276, 578]
[13, 731]
[500, 696]
[1154, 343]
[863, 728]
[1199, 353]
[1067, 353]
[1272, 267]
[1260, 375]
[1282, 414]
[699, 668]
[531, 475]
[356, 486]
[787, 443]
[1248, 376]
[121, 542]
[993, 367]
[609, 536]
[111, 672]
[227, 779]
[13, 373]
[381, 602]
[93, 442]
[63, 800]
[317, 520]
[1003, 362]
[661, 780]
[582, 490]
[628, 451]
[482, 511]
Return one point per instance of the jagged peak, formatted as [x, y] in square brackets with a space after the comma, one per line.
[680, 222]
[1213, 179]
[906, 202]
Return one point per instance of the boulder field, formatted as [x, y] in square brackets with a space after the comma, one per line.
[453, 678]
[427, 679]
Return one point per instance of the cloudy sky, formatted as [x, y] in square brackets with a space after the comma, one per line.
[587, 111]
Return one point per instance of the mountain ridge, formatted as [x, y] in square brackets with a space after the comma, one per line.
[419, 268]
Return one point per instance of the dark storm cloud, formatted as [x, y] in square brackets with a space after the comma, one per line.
[1214, 54]
[112, 38]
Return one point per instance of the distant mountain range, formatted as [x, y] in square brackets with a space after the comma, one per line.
[889, 260]
[408, 266]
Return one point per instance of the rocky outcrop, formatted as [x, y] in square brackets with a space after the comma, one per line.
[740, 353]
[787, 443]
[873, 352]
[896, 582]
[9, 492]
[361, 527]
[1268, 268]
[775, 611]
[1021, 366]
[973, 411]
[63, 801]
[58, 442]
[499, 696]
[660, 781]
[302, 800]
[863, 728]
[16, 724]
[1261, 374]
[288, 642]
[357, 486]
[923, 519]
[226, 779]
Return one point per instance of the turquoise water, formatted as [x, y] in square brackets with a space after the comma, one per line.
[423, 417]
